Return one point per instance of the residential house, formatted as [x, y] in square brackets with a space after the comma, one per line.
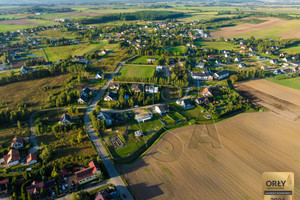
[286, 59]
[82, 99]
[205, 75]
[4, 186]
[264, 67]
[172, 61]
[227, 55]
[17, 142]
[24, 70]
[106, 117]
[35, 188]
[143, 116]
[100, 75]
[31, 158]
[202, 100]
[283, 54]
[243, 46]
[186, 103]
[135, 87]
[221, 74]
[288, 70]
[162, 109]
[110, 97]
[295, 64]
[199, 65]
[12, 158]
[242, 65]
[150, 89]
[211, 56]
[274, 61]
[295, 58]
[50, 186]
[158, 68]
[80, 59]
[114, 86]
[85, 92]
[151, 59]
[277, 72]
[252, 49]
[260, 58]
[206, 92]
[86, 175]
[65, 119]
[237, 59]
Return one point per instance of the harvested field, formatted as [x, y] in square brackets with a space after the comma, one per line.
[282, 100]
[182, 166]
[272, 28]
[19, 22]
[290, 34]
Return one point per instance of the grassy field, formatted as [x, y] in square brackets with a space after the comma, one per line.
[291, 82]
[63, 52]
[138, 71]
[23, 25]
[61, 143]
[30, 92]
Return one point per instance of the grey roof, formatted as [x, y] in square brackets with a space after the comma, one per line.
[163, 108]
[65, 116]
[220, 73]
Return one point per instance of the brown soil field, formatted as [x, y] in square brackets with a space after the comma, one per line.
[182, 166]
[19, 22]
[246, 28]
[282, 100]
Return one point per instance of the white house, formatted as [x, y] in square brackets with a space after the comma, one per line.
[24, 70]
[221, 74]
[143, 116]
[151, 89]
[186, 103]
[274, 61]
[242, 65]
[158, 68]
[205, 75]
[99, 75]
[199, 65]
[162, 109]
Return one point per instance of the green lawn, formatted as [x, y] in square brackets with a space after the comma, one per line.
[137, 71]
[291, 82]
[216, 45]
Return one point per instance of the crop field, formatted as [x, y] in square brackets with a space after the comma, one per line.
[13, 25]
[29, 91]
[277, 98]
[181, 165]
[138, 71]
[273, 28]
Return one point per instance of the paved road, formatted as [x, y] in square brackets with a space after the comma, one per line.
[112, 171]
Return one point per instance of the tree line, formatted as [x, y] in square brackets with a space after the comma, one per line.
[139, 15]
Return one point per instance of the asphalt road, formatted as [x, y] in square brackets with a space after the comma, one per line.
[112, 171]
